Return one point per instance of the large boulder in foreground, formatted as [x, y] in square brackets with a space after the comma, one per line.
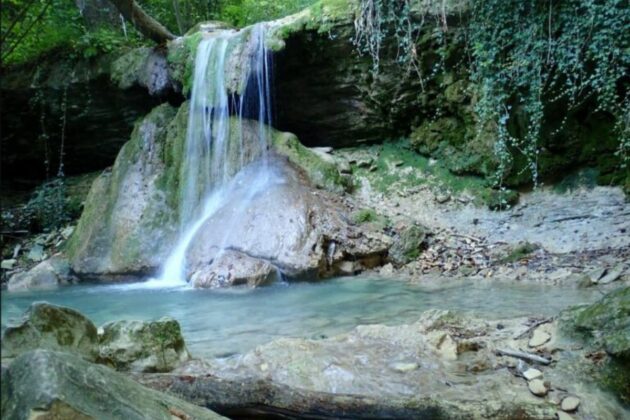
[49, 385]
[51, 327]
[444, 366]
[155, 346]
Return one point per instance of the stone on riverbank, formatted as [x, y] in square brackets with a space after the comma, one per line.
[155, 346]
[51, 327]
[44, 384]
[47, 274]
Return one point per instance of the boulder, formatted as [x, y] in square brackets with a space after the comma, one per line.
[231, 268]
[51, 327]
[156, 346]
[606, 323]
[45, 384]
[45, 275]
[408, 245]
[132, 214]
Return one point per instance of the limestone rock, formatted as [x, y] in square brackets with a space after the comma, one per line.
[36, 253]
[403, 367]
[408, 245]
[539, 338]
[156, 346]
[612, 275]
[570, 403]
[563, 416]
[605, 323]
[8, 264]
[44, 384]
[537, 387]
[531, 374]
[51, 327]
[45, 275]
[232, 268]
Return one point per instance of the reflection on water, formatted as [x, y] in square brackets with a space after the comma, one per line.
[221, 322]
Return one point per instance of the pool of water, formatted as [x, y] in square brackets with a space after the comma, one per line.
[224, 322]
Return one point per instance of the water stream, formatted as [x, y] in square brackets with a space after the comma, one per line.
[235, 320]
[216, 148]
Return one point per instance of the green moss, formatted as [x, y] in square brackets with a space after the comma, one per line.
[181, 59]
[125, 69]
[519, 252]
[364, 216]
[321, 173]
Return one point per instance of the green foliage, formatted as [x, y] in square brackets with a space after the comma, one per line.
[246, 12]
[522, 59]
[48, 207]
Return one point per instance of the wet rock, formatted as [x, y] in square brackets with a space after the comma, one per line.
[408, 245]
[51, 327]
[570, 403]
[539, 338]
[50, 385]
[537, 387]
[531, 374]
[139, 346]
[232, 268]
[46, 275]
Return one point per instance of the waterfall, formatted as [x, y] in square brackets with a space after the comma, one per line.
[216, 149]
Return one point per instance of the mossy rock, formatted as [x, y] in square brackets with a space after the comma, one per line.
[156, 346]
[605, 324]
[46, 384]
[321, 173]
[52, 327]
[408, 245]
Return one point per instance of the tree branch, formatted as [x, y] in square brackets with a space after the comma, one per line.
[148, 26]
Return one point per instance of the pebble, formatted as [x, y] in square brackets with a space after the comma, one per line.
[539, 338]
[442, 198]
[531, 374]
[612, 275]
[537, 387]
[563, 416]
[8, 264]
[403, 367]
[570, 404]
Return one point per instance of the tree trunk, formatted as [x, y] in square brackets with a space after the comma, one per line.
[148, 26]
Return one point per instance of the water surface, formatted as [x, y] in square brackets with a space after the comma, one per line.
[223, 322]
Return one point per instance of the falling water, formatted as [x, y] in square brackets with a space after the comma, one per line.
[216, 148]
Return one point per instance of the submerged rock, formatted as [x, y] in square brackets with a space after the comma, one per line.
[46, 384]
[155, 346]
[47, 326]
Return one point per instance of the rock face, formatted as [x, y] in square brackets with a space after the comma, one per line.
[49, 385]
[131, 217]
[51, 327]
[45, 275]
[98, 117]
[138, 346]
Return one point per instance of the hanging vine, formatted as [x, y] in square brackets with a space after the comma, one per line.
[523, 57]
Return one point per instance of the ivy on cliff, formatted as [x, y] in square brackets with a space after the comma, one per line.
[521, 56]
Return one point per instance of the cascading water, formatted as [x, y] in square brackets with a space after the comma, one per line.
[216, 149]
